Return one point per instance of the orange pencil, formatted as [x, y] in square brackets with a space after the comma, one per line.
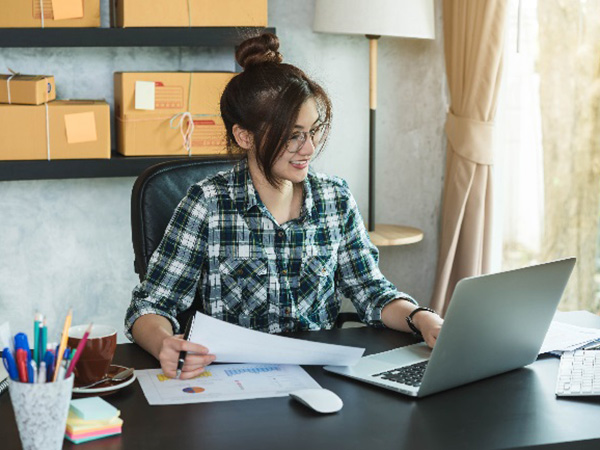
[63, 342]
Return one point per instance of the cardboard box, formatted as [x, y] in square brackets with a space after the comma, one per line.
[27, 89]
[57, 13]
[198, 13]
[77, 129]
[165, 96]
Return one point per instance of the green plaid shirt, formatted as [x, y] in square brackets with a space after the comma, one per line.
[223, 245]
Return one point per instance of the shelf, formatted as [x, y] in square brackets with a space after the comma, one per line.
[387, 235]
[127, 37]
[117, 166]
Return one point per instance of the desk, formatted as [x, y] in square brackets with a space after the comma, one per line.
[514, 410]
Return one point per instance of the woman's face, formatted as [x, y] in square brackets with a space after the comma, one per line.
[294, 166]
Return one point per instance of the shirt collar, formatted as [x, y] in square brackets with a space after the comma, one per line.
[243, 192]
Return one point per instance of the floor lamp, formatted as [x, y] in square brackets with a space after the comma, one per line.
[373, 19]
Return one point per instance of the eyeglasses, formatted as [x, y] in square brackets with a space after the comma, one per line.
[298, 139]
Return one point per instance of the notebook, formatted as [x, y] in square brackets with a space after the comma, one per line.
[495, 323]
[3, 379]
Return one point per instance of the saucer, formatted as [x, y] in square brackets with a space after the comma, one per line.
[108, 387]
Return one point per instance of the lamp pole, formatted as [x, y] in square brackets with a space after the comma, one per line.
[372, 113]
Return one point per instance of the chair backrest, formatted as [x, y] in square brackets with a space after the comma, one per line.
[155, 195]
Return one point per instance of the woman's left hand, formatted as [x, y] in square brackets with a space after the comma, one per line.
[429, 324]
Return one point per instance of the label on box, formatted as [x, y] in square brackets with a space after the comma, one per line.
[81, 127]
[67, 9]
[168, 97]
[144, 95]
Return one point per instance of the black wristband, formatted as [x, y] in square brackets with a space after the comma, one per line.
[409, 318]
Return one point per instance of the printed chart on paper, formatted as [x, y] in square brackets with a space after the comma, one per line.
[224, 382]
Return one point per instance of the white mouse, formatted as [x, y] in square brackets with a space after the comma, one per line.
[320, 400]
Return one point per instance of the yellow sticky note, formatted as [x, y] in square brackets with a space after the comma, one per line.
[67, 9]
[81, 127]
[145, 92]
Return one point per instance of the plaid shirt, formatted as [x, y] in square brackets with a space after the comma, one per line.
[223, 245]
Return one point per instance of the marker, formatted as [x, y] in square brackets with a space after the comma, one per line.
[42, 372]
[10, 364]
[37, 322]
[21, 358]
[31, 371]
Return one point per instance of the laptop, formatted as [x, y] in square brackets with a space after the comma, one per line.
[495, 323]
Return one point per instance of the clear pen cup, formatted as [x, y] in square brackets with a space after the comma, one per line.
[41, 411]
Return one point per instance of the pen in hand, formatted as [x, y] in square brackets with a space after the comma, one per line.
[183, 353]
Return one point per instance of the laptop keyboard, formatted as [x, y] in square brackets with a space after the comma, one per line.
[579, 373]
[409, 375]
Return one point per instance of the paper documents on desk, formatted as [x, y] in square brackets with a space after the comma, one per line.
[225, 382]
[232, 343]
[562, 337]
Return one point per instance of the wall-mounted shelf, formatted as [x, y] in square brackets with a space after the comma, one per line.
[118, 165]
[127, 37]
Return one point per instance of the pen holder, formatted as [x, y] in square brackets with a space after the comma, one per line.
[41, 411]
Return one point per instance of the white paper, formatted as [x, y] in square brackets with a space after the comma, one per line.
[144, 95]
[564, 337]
[224, 382]
[232, 343]
[5, 338]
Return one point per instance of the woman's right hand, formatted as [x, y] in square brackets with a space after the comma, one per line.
[196, 360]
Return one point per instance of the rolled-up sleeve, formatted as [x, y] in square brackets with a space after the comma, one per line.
[175, 266]
[359, 277]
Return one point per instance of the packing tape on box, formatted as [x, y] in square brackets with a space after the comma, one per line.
[47, 131]
[43, 26]
[14, 74]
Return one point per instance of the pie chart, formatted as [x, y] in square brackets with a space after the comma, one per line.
[193, 390]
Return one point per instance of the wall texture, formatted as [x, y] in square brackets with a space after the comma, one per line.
[68, 242]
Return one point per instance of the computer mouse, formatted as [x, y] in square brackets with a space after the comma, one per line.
[320, 400]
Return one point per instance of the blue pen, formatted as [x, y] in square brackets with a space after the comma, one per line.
[49, 360]
[32, 371]
[10, 364]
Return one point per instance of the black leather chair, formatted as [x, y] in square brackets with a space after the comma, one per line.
[155, 195]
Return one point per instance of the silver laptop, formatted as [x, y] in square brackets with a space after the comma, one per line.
[495, 323]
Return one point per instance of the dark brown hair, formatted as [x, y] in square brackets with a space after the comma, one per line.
[265, 100]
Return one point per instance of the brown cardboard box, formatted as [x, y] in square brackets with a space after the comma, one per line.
[77, 129]
[198, 13]
[57, 13]
[155, 131]
[27, 89]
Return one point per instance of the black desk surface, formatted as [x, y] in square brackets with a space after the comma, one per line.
[514, 410]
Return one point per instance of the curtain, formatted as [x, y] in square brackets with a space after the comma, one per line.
[473, 48]
[569, 68]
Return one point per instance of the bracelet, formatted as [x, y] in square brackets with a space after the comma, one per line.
[410, 322]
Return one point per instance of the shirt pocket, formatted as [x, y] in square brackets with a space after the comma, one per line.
[317, 288]
[244, 285]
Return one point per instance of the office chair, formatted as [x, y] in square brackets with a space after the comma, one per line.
[154, 197]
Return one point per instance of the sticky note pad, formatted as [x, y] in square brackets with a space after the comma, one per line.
[81, 127]
[93, 408]
[67, 9]
[144, 95]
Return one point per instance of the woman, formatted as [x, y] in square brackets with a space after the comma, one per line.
[268, 245]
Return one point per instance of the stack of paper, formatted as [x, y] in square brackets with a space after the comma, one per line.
[92, 418]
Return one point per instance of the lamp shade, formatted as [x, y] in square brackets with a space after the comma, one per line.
[401, 18]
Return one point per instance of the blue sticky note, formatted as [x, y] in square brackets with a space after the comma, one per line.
[93, 408]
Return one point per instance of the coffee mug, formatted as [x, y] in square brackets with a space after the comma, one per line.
[97, 354]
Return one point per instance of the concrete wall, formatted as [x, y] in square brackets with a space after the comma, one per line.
[68, 242]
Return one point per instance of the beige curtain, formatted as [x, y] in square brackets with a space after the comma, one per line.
[569, 68]
[473, 47]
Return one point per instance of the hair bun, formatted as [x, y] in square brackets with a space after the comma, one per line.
[259, 50]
